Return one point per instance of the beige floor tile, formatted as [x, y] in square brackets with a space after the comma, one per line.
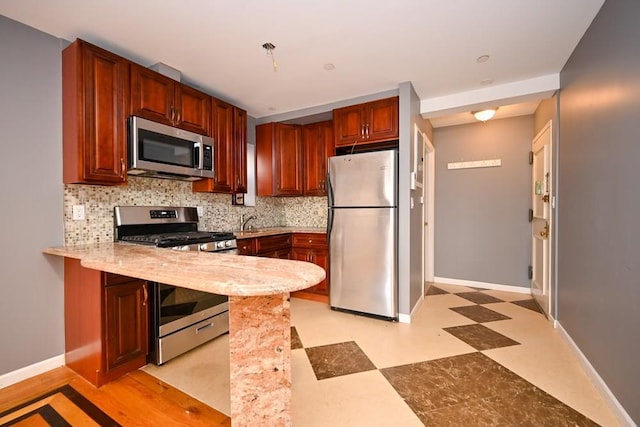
[507, 296]
[202, 373]
[363, 399]
[454, 288]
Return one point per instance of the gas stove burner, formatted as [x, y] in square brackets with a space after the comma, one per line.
[165, 240]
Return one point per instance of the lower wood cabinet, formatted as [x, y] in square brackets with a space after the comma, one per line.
[313, 247]
[309, 247]
[106, 323]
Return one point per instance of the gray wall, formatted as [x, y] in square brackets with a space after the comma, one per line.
[599, 200]
[31, 314]
[482, 232]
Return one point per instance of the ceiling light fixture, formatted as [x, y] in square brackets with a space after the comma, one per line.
[269, 47]
[483, 58]
[484, 115]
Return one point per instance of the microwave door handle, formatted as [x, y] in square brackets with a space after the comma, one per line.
[198, 152]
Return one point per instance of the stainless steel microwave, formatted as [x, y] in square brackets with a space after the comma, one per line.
[161, 151]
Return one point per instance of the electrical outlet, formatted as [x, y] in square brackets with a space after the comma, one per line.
[78, 213]
[200, 211]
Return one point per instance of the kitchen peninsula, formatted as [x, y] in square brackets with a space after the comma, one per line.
[259, 322]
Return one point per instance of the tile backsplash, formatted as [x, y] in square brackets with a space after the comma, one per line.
[219, 213]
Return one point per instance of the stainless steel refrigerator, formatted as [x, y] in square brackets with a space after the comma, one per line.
[362, 228]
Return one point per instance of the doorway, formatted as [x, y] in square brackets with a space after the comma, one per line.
[428, 211]
[542, 287]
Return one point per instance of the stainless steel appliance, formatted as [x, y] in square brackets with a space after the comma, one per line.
[162, 151]
[180, 319]
[362, 228]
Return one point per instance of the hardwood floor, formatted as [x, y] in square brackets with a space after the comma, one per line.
[136, 399]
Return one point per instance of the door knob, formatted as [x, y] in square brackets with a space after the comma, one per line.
[545, 231]
[545, 198]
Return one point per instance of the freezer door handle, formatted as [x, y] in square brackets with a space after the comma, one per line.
[329, 191]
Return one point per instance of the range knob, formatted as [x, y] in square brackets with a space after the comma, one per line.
[227, 243]
[220, 245]
[181, 248]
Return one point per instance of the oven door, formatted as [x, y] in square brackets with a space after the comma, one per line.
[175, 308]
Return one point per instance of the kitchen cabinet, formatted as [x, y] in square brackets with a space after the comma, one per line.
[161, 99]
[276, 246]
[312, 247]
[95, 93]
[367, 123]
[106, 323]
[279, 159]
[230, 151]
[318, 147]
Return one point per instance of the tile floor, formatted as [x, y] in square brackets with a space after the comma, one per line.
[470, 357]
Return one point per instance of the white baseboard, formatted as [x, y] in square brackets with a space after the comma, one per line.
[485, 285]
[32, 370]
[406, 318]
[596, 379]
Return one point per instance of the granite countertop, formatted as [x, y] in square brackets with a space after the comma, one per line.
[225, 274]
[272, 231]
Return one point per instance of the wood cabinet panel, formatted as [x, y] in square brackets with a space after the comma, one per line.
[318, 147]
[271, 243]
[126, 324]
[367, 123]
[152, 95]
[313, 247]
[246, 246]
[161, 99]
[230, 151]
[240, 150]
[95, 91]
[279, 159]
[106, 323]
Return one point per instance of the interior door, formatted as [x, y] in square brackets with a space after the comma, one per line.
[541, 224]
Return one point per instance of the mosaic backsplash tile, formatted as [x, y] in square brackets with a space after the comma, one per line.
[219, 213]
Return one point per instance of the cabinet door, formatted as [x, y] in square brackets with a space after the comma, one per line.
[348, 125]
[287, 160]
[382, 120]
[240, 150]
[318, 256]
[192, 110]
[95, 91]
[152, 95]
[126, 327]
[223, 147]
[246, 247]
[318, 147]
[279, 254]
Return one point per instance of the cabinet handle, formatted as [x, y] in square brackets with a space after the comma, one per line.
[173, 114]
[362, 131]
[146, 295]
[179, 118]
[121, 167]
[367, 133]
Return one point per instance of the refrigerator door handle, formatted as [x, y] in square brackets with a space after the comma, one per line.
[329, 224]
[329, 191]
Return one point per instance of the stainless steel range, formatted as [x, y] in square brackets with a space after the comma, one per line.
[181, 319]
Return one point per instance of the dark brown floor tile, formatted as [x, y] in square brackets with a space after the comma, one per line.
[480, 337]
[479, 297]
[442, 383]
[531, 304]
[334, 360]
[534, 407]
[479, 313]
[296, 342]
[434, 290]
[470, 413]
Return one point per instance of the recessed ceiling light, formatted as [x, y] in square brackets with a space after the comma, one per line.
[486, 82]
[329, 66]
[481, 59]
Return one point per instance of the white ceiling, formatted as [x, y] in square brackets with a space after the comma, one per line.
[374, 45]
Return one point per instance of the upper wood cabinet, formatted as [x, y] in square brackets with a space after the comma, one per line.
[161, 99]
[318, 147]
[230, 151]
[240, 150]
[95, 93]
[279, 159]
[367, 123]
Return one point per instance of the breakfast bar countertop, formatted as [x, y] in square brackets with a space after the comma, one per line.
[272, 231]
[225, 274]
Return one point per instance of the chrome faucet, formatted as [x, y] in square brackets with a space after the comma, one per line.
[244, 221]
